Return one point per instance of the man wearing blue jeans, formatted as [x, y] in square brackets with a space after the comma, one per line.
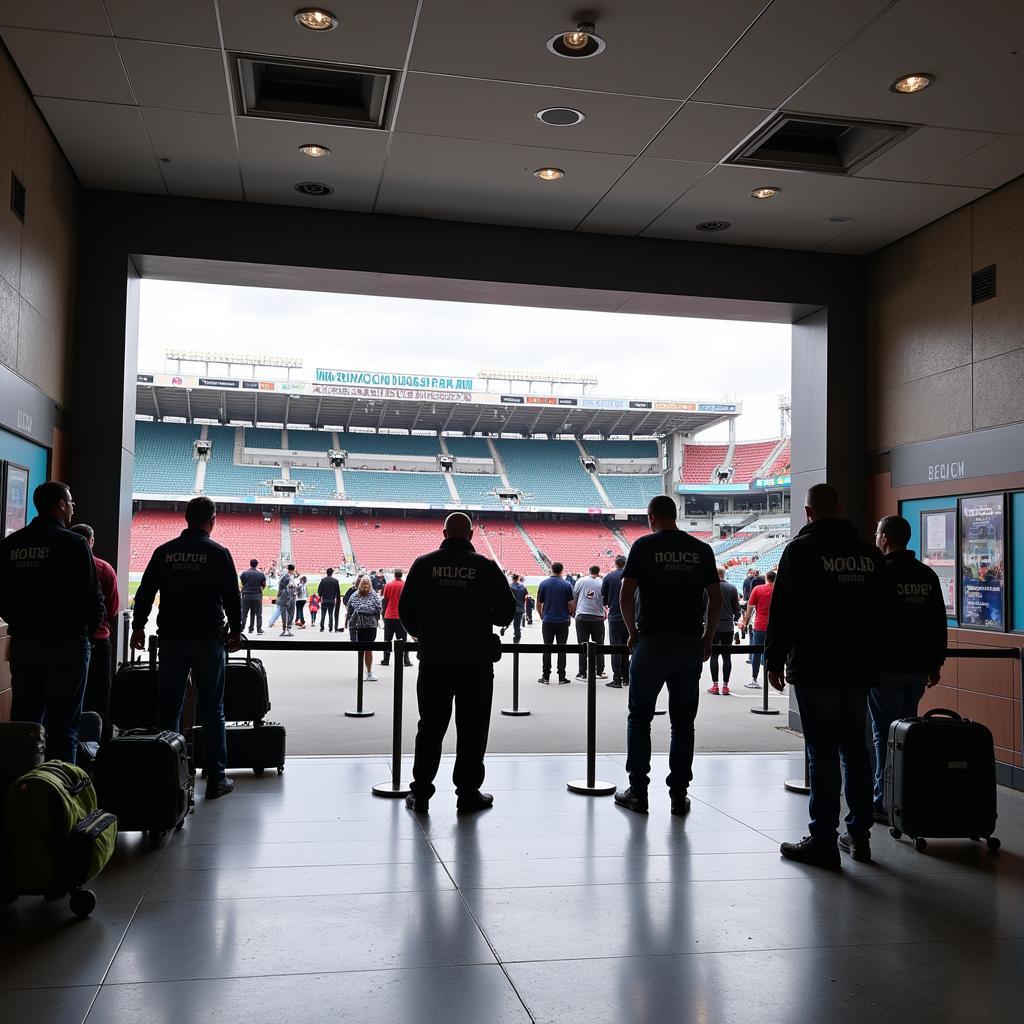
[913, 642]
[664, 583]
[198, 586]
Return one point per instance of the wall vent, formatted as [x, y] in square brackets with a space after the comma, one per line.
[805, 142]
[983, 284]
[18, 197]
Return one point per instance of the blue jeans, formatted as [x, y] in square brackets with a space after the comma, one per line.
[48, 676]
[833, 722]
[675, 662]
[757, 637]
[205, 659]
[896, 697]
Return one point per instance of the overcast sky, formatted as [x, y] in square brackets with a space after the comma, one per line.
[631, 355]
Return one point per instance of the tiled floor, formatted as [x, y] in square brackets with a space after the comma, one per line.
[302, 898]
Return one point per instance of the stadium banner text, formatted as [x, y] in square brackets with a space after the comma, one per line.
[370, 378]
[773, 481]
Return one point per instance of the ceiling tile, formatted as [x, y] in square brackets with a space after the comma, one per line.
[653, 48]
[469, 108]
[644, 192]
[923, 153]
[71, 15]
[374, 33]
[176, 77]
[706, 132]
[69, 66]
[453, 179]
[188, 22]
[105, 143]
[996, 163]
[197, 153]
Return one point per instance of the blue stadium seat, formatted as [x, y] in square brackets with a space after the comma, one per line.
[548, 473]
[262, 437]
[224, 478]
[310, 440]
[468, 447]
[478, 488]
[370, 485]
[622, 449]
[628, 490]
[390, 444]
[316, 483]
[163, 458]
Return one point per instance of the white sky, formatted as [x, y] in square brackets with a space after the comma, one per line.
[631, 355]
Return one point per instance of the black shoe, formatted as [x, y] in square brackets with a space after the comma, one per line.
[562, 679]
[385, 663]
[858, 848]
[632, 801]
[477, 801]
[880, 816]
[219, 788]
[545, 680]
[259, 632]
[582, 676]
[321, 629]
[614, 685]
[407, 664]
[680, 806]
[810, 851]
[417, 804]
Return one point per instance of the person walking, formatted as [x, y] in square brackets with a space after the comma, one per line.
[364, 608]
[588, 608]
[756, 617]
[348, 595]
[611, 587]
[530, 605]
[253, 582]
[301, 596]
[831, 586]
[667, 578]
[914, 638]
[393, 628]
[287, 590]
[101, 657]
[329, 591]
[50, 654]
[520, 593]
[198, 587]
[453, 599]
[725, 633]
[554, 597]
[314, 606]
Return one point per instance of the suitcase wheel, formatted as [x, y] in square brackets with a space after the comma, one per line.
[82, 902]
[155, 835]
[258, 771]
[993, 844]
[280, 769]
[895, 833]
[920, 845]
[180, 825]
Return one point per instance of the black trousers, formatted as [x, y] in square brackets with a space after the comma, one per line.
[590, 629]
[724, 637]
[97, 685]
[327, 616]
[554, 632]
[620, 662]
[252, 611]
[471, 687]
[299, 617]
[394, 630]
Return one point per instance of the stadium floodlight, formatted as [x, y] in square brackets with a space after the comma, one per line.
[192, 355]
[543, 378]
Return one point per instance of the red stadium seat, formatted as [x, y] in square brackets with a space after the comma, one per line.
[576, 545]
[246, 535]
[316, 542]
[701, 460]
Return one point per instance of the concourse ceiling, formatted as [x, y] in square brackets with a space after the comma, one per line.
[140, 94]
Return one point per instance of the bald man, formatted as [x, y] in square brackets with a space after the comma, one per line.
[451, 601]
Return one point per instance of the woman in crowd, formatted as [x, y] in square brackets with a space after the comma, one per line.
[364, 609]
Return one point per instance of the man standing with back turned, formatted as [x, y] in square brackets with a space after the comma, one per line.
[198, 586]
[451, 600]
[667, 574]
[253, 581]
[824, 633]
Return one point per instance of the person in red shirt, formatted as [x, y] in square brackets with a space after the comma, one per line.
[97, 686]
[393, 628]
[758, 606]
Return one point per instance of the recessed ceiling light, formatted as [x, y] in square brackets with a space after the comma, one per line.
[714, 225]
[577, 43]
[838, 220]
[560, 117]
[314, 188]
[316, 19]
[312, 149]
[549, 173]
[912, 83]
[765, 192]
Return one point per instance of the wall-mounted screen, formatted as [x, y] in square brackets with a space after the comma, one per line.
[982, 564]
[938, 550]
[15, 497]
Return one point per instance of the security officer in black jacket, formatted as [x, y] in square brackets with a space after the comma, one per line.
[825, 631]
[913, 641]
[198, 586]
[451, 600]
[50, 652]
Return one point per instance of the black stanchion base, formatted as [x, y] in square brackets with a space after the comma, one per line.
[599, 788]
[358, 714]
[515, 712]
[388, 789]
[797, 786]
[764, 711]
[660, 711]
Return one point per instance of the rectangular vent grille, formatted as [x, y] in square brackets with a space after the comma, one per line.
[983, 284]
[18, 198]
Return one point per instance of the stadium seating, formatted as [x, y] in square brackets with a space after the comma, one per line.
[262, 437]
[502, 540]
[781, 462]
[316, 483]
[316, 542]
[548, 473]
[747, 459]
[227, 480]
[632, 530]
[150, 528]
[577, 545]
[622, 449]
[247, 536]
[309, 441]
[701, 460]
[468, 447]
[388, 542]
[163, 458]
[391, 485]
[390, 444]
[478, 488]
[626, 490]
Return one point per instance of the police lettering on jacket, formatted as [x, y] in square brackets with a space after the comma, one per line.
[677, 561]
[453, 575]
[914, 593]
[183, 559]
[848, 568]
[26, 558]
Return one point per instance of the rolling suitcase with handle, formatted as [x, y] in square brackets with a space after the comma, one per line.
[135, 692]
[940, 779]
[246, 690]
[258, 746]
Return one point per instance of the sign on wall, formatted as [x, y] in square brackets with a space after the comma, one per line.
[938, 550]
[369, 378]
[982, 564]
[983, 453]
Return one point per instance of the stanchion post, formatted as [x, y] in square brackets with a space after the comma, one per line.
[515, 711]
[591, 786]
[801, 785]
[359, 712]
[764, 709]
[126, 628]
[394, 788]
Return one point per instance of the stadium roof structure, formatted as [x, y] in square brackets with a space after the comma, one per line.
[443, 406]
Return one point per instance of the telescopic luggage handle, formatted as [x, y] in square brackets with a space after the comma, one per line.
[941, 713]
[248, 649]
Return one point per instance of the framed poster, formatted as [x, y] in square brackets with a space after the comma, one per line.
[982, 565]
[938, 550]
[15, 495]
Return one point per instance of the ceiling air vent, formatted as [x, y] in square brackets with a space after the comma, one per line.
[288, 90]
[983, 284]
[804, 142]
[18, 198]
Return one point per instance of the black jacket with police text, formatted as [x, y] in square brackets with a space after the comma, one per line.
[451, 600]
[914, 634]
[198, 586]
[46, 561]
[830, 596]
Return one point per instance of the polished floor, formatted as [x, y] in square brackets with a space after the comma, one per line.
[303, 898]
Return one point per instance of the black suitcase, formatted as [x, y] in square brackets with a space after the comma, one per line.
[940, 779]
[257, 747]
[135, 693]
[22, 748]
[143, 777]
[246, 690]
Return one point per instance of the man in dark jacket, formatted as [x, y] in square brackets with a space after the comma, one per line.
[329, 592]
[198, 586]
[253, 581]
[451, 600]
[824, 632]
[913, 641]
[611, 587]
[725, 633]
[50, 653]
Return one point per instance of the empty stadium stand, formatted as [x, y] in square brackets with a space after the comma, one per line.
[468, 447]
[548, 473]
[577, 545]
[316, 542]
[150, 528]
[393, 485]
[308, 440]
[224, 478]
[478, 488]
[700, 461]
[262, 437]
[163, 458]
[780, 464]
[316, 483]
[503, 541]
[388, 542]
[246, 535]
[389, 444]
[631, 490]
[747, 459]
[632, 530]
[622, 449]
